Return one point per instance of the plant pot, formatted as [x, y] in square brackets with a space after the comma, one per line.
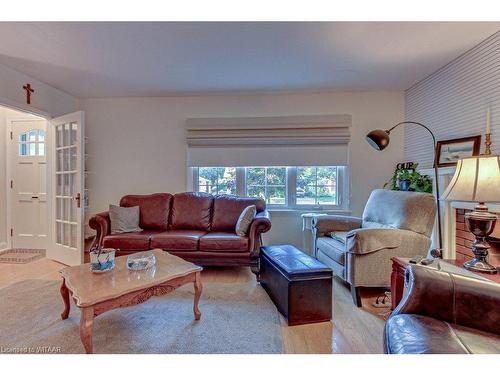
[404, 185]
[103, 261]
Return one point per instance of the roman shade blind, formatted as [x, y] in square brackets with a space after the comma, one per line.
[268, 141]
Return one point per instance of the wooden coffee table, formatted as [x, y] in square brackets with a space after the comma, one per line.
[95, 293]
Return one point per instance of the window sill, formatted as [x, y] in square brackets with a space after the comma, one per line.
[291, 211]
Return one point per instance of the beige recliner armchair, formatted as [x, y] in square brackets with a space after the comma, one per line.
[359, 250]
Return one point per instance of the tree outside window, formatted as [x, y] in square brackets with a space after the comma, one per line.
[269, 183]
[316, 185]
[217, 180]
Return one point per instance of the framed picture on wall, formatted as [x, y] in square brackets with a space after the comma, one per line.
[452, 150]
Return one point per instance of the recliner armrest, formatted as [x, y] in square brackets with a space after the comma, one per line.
[453, 298]
[260, 224]
[102, 225]
[330, 223]
[368, 240]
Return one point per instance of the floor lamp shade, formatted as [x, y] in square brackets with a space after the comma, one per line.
[476, 179]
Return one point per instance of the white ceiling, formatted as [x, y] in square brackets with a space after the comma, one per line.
[162, 58]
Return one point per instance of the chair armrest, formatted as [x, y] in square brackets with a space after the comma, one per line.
[260, 224]
[368, 240]
[330, 223]
[456, 299]
[102, 225]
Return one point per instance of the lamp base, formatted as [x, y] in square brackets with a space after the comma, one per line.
[481, 223]
[480, 265]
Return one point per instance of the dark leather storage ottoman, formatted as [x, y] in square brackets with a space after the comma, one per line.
[299, 285]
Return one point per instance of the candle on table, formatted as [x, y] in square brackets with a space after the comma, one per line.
[488, 120]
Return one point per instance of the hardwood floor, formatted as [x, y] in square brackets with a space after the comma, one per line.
[352, 330]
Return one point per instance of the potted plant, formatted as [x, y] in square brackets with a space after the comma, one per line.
[409, 179]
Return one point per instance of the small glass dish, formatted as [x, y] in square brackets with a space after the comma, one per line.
[141, 261]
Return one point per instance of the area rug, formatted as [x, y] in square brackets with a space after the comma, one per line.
[21, 256]
[236, 318]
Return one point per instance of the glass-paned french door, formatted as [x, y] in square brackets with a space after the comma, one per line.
[66, 184]
[68, 158]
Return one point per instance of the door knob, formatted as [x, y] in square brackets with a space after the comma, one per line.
[77, 199]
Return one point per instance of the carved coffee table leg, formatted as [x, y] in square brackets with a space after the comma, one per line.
[198, 287]
[86, 324]
[65, 296]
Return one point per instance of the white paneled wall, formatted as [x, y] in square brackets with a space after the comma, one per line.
[453, 101]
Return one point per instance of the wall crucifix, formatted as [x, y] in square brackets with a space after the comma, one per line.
[29, 91]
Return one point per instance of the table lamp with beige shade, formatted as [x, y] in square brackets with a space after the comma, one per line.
[477, 179]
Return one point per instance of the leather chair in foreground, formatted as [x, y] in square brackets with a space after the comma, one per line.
[359, 250]
[443, 313]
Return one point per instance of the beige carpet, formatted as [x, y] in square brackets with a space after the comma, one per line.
[236, 318]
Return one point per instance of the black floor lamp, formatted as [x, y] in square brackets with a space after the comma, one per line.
[379, 140]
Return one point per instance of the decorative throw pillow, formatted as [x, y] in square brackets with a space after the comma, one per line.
[245, 220]
[124, 219]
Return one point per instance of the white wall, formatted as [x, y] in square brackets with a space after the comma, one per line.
[137, 145]
[46, 99]
[453, 101]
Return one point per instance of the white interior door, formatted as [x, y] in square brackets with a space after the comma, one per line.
[68, 167]
[29, 214]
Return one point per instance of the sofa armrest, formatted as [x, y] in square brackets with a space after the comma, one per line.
[368, 240]
[329, 223]
[102, 225]
[456, 299]
[260, 224]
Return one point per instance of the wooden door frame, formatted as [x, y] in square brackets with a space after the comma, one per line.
[9, 173]
[28, 109]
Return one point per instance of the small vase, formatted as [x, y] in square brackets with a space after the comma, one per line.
[102, 261]
[404, 185]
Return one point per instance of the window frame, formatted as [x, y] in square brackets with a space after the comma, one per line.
[39, 133]
[342, 189]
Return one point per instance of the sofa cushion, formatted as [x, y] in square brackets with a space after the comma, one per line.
[417, 334]
[186, 240]
[340, 236]
[191, 211]
[223, 241]
[129, 241]
[228, 208]
[333, 249]
[154, 209]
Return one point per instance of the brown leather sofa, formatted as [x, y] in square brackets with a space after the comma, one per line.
[198, 227]
[444, 313]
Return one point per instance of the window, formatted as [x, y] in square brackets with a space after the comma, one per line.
[281, 187]
[32, 143]
[269, 183]
[217, 180]
[316, 186]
